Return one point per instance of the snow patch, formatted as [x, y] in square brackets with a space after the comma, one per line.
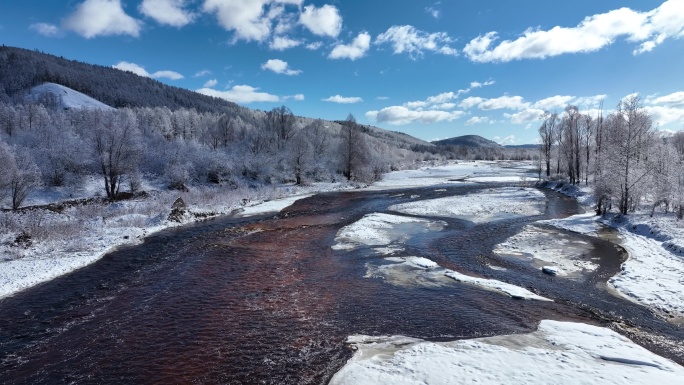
[66, 97]
[481, 207]
[516, 292]
[379, 229]
[543, 246]
[557, 353]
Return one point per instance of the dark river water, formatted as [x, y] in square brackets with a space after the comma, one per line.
[267, 301]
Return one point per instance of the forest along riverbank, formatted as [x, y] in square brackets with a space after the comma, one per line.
[268, 300]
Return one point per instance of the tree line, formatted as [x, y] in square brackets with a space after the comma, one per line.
[627, 159]
[40, 144]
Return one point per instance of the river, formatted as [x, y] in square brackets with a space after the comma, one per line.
[265, 300]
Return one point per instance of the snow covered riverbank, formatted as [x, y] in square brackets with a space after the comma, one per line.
[39, 245]
[653, 275]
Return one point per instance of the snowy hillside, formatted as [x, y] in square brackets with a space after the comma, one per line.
[65, 97]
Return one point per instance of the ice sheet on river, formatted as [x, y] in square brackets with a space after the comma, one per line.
[557, 353]
[544, 246]
[378, 229]
[480, 207]
[420, 271]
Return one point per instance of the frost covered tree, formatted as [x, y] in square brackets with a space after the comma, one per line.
[629, 138]
[548, 138]
[353, 149]
[280, 122]
[115, 138]
[24, 177]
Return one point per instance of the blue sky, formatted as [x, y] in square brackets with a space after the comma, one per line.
[431, 69]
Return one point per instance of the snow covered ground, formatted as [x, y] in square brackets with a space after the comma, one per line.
[67, 97]
[455, 173]
[485, 206]
[653, 274]
[557, 353]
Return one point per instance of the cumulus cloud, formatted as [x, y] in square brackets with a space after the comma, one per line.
[525, 116]
[280, 67]
[281, 43]
[343, 100]
[479, 85]
[649, 29]
[45, 29]
[94, 18]
[510, 139]
[478, 120]
[141, 71]
[246, 18]
[210, 83]
[502, 102]
[357, 49]
[675, 99]
[401, 115]
[169, 12]
[408, 39]
[323, 21]
[241, 94]
[437, 108]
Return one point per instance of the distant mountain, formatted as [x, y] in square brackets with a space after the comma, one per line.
[63, 97]
[22, 69]
[523, 146]
[474, 141]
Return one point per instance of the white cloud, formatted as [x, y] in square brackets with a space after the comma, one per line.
[141, 71]
[45, 29]
[554, 102]
[502, 102]
[323, 21]
[169, 12]
[675, 99]
[94, 18]
[434, 11]
[167, 74]
[298, 97]
[510, 139]
[201, 73]
[479, 85]
[471, 102]
[314, 46]
[400, 115]
[246, 18]
[594, 32]
[478, 120]
[210, 83]
[663, 115]
[281, 43]
[382, 97]
[407, 39]
[353, 51]
[343, 99]
[525, 116]
[241, 94]
[280, 67]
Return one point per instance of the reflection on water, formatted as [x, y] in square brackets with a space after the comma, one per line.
[266, 300]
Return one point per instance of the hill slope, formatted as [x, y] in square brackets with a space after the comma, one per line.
[475, 141]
